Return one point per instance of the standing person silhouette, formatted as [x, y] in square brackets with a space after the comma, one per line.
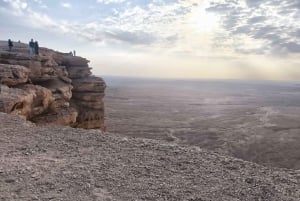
[36, 48]
[10, 44]
[31, 47]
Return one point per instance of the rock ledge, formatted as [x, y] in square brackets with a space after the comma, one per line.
[52, 88]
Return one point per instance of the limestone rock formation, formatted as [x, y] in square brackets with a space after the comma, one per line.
[28, 100]
[12, 75]
[88, 94]
[52, 88]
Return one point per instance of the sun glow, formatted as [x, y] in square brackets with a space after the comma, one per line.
[204, 21]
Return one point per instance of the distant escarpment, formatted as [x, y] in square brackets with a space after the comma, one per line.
[51, 88]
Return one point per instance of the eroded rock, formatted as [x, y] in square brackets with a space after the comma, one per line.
[12, 75]
[50, 88]
[28, 101]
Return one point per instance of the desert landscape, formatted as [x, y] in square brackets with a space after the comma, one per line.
[187, 140]
[256, 121]
[152, 100]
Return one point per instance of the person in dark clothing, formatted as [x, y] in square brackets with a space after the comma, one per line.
[36, 48]
[31, 47]
[10, 44]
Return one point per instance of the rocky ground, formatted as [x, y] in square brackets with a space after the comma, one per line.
[62, 163]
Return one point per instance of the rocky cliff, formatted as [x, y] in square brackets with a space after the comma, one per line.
[52, 88]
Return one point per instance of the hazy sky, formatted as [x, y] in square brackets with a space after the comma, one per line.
[242, 39]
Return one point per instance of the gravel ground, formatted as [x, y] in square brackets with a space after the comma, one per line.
[61, 163]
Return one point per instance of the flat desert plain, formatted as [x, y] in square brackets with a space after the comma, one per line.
[258, 121]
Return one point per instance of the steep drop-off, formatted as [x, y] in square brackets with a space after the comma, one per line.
[50, 88]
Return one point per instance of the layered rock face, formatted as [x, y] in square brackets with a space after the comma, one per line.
[88, 93]
[51, 88]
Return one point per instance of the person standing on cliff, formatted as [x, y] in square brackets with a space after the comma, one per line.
[10, 44]
[31, 47]
[36, 48]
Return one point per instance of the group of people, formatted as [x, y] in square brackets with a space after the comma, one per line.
[73, 53]
[33, 47]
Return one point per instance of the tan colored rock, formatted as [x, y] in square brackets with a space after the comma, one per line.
[75, 61]
[14, 55]
[62, 117]
[98, 105]
[29, 101]
[89, 84]
[63, 74]
[12, 75]
[88, 96]
[79, 72]
[40, 73]
[61, 90]
[49, 61]
[90, 119]
[15, 62]
[60, 87]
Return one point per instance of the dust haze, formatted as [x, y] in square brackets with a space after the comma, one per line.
[257, 121]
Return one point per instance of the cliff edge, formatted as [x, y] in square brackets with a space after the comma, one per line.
[50, 88]
[63, 163]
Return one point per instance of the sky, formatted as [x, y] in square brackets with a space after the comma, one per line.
[207, 39]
